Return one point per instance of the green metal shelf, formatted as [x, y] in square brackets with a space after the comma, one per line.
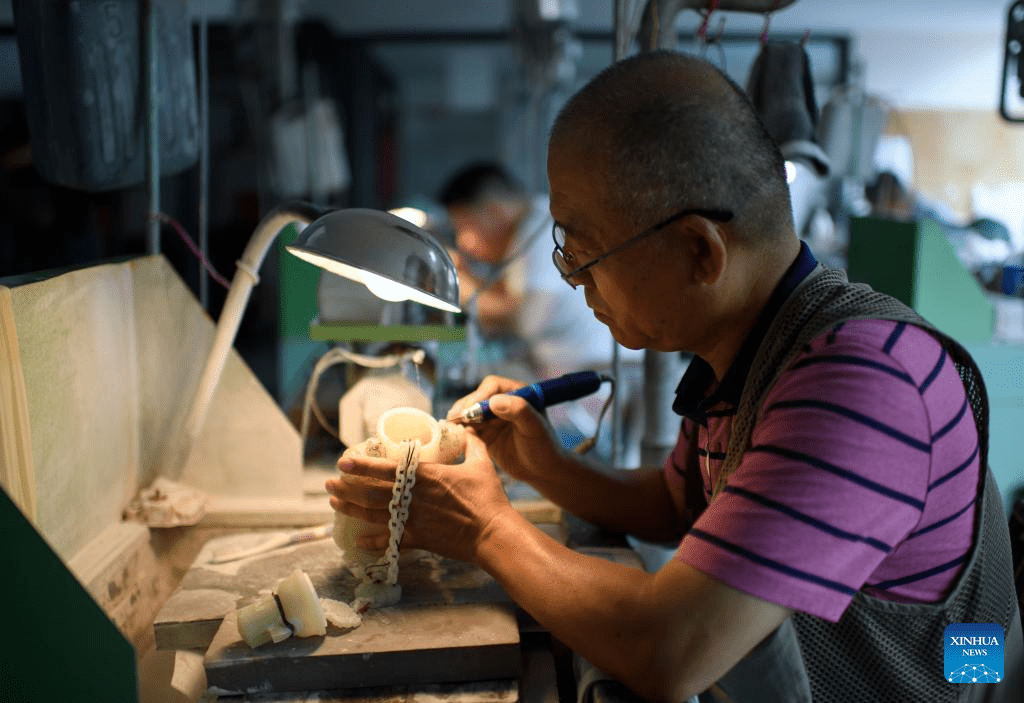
[361, 331]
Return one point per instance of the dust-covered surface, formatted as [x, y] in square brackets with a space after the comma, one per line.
[186, 618]
[396, 645]
[453, 623]
[470, 692]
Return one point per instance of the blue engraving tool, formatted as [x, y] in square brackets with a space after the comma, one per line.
[571, 386]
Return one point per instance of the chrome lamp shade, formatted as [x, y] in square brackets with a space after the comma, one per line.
[392, 257]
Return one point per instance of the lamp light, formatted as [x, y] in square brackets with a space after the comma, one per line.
[392, 257]
[414, 214]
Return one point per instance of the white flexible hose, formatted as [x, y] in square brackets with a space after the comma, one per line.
[231, 316]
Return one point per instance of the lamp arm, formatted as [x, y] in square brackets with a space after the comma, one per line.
[234, 306]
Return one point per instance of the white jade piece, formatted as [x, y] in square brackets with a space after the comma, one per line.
[348, 529]
[442, 442]
[301, 605]
[262, 622]
[452, 442]
[341, 614]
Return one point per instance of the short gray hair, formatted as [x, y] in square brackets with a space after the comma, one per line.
[680, 133]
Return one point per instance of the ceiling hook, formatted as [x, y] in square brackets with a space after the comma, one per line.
[768, 21]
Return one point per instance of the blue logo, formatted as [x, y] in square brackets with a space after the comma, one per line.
[973, 653]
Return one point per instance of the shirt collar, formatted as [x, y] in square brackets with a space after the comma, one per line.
[697, 391]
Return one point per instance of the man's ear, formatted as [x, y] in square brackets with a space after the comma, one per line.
[707, 246]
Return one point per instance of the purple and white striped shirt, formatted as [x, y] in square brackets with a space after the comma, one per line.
[862, 475]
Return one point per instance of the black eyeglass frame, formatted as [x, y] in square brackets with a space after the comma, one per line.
[559, 254]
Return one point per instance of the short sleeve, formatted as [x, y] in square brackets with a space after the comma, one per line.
[836, 477]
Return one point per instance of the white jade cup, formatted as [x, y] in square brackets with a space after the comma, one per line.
[403, 424]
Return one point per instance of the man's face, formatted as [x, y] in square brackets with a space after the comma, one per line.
[636, 291]
[481, 232]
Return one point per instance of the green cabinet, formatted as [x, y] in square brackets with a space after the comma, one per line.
[915, 262]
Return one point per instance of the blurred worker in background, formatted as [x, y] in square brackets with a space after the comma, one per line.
[829, 489]
[506, 280]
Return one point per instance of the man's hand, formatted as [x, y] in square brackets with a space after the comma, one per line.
[522, 442]
[452, 505]
[519, 439]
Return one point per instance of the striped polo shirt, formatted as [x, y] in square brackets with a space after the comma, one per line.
[862, 473]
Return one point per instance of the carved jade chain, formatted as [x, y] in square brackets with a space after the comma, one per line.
[385, 569]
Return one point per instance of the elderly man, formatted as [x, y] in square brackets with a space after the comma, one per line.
[829, 477]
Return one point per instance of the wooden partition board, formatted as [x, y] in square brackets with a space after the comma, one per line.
[247, 447]
[17, 475]
[77, 343]
[110, 357]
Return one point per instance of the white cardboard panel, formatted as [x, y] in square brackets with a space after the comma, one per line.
[77, 342]
[111, 356]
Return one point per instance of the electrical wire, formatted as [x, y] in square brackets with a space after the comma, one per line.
[588, 444]
[203, 260]
[338, 355]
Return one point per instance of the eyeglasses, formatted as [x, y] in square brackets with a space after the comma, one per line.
[564, 261]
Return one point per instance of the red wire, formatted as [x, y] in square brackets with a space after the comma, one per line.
[702, 32]
[163, 217]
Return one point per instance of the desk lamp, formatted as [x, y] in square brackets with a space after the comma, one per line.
[393, 258]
